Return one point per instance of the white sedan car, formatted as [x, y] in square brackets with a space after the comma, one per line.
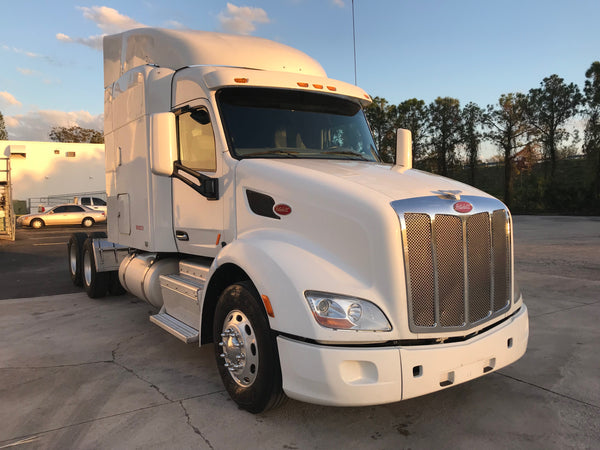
[63, 215]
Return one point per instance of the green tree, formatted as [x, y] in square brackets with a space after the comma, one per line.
[76, 134]
[381, 116]
[549, 107]
[591, 140]
[444, 131]
[3, 133]
[412, 115]
[507, 128]
[472, 135]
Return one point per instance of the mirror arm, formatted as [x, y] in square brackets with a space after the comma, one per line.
[206, 186]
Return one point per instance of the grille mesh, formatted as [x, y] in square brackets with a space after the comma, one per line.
[458, 268]
[450, 269]
[501, 260]
[418, 232]
[480, 270]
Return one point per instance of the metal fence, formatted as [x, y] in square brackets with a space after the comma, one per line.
[35, 204]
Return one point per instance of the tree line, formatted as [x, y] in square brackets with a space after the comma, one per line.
[73, 134]
[527, 129]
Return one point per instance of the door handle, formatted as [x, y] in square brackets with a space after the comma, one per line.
[181, 235]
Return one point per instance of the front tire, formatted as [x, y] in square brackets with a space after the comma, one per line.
[37, 224]
[245, 351]
[94, 282]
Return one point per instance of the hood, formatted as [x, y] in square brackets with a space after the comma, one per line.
[390, 181]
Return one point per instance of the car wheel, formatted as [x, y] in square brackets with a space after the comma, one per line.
[37, 224]
[87, 222]
[74, 252]
[245, 351]
[94, 282]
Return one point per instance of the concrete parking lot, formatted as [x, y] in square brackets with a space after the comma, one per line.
[82, 373]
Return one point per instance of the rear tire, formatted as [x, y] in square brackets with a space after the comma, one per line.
[94, 282]
[87, 222]
[245, 350]
[74, 253]
[37, 224]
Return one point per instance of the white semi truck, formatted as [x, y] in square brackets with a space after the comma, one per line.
[248, 204]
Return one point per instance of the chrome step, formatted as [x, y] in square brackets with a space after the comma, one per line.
[177, 328]
[194, 269]
[182, 284]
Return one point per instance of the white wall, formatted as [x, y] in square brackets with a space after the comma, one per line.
[46, 170]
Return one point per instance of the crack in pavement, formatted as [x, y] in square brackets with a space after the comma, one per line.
[195, 428]
[108, 361]
[548, 390]
[131, 371]
[580, 305]
[17, 440]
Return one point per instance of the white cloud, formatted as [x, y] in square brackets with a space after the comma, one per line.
[7, 98]
[339, 3]
[109, 21]
[29, 54]
[175, 25]
[36, 125]
[27, 72]
[94, 42]
[241, 19]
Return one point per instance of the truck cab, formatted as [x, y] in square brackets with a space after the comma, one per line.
[247, 202]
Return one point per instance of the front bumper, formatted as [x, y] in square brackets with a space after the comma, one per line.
[343, 376]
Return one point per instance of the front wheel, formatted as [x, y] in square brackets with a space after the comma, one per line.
[245, 351]
[37, 223]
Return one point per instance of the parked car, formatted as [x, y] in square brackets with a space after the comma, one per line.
[92, 202]
[63, 215]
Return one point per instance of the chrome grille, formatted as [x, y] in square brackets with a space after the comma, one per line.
[458, 266]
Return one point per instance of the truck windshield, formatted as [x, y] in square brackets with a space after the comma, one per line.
[271, 123]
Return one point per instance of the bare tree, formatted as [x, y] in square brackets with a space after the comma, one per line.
[472, 134]
[444, 131]
[508, 129]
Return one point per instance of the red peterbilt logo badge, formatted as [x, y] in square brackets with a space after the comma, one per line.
[463, 207]
[282, 209]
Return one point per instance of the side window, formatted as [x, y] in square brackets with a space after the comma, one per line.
[85, 200]
[74, 208]
[99, 202]
[196, 141]
[60, 209]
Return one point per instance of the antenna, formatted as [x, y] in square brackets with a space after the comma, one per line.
[354, 42]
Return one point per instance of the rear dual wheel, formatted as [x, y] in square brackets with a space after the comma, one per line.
[82, 267]
[245, 350]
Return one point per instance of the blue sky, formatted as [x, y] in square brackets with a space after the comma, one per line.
[472, 50]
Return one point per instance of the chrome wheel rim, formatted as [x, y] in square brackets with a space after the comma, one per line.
[239, 348]
[73, 260]
[87, 268]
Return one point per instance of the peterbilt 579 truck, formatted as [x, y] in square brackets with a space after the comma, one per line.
[248, 204]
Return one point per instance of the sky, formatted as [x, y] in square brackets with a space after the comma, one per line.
[474, 50]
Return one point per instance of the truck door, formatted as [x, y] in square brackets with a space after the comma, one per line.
[197, 207]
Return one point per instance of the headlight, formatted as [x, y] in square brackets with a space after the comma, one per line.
[346, 313]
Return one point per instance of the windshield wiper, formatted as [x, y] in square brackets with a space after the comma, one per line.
[272, 152]
[342, 152]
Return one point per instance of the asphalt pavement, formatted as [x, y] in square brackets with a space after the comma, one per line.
[82, 373]
[35, 264]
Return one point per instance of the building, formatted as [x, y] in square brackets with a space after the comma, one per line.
[44, 169]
